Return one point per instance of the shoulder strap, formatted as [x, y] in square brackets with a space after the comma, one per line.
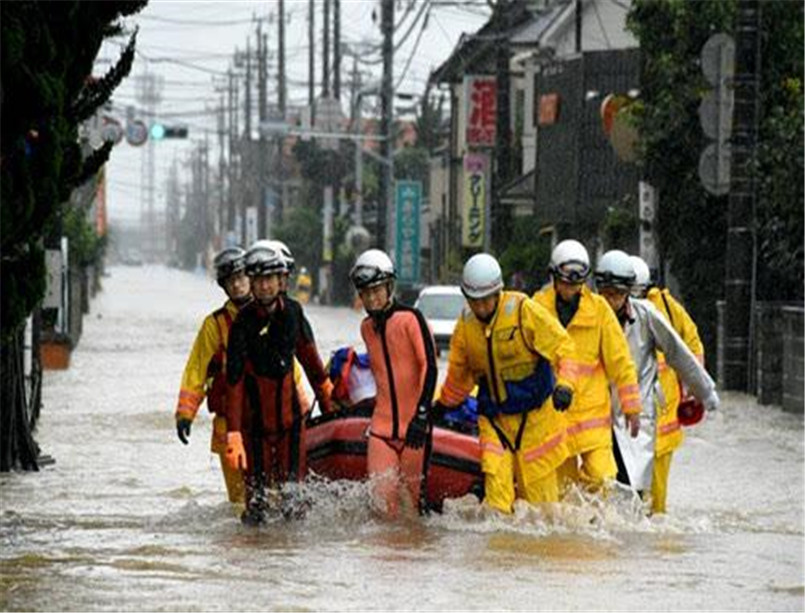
[431, 374]
[667, 308]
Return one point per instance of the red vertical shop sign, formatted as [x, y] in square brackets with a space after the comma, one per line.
[481, 96]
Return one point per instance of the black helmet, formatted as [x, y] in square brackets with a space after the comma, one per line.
[264, 259]
[228, 262]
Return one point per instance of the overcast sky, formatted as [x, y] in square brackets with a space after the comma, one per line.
[191, 44]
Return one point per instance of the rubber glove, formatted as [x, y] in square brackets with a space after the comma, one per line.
[235, 453]
[562, 397]
[183, 428]
[417, 429]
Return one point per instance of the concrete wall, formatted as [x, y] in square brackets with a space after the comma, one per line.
[793, 361]
[777, 371]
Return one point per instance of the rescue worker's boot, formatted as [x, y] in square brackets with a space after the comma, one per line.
[256, 503]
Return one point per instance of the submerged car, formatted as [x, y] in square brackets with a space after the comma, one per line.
[441, 305]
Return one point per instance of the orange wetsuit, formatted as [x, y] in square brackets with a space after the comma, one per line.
[403, 361]
[262, 401]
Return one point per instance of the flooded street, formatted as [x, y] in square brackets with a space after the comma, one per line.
[128, 518]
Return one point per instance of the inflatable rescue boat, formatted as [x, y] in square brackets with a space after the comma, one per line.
[336, 449]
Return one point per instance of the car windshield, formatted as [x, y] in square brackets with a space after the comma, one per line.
[441, 306]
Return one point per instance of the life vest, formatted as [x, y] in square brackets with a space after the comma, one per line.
[516, 379]
[260, 362]
[216, 370]
[351, 375]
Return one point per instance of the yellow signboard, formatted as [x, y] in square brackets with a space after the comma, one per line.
[473, 218]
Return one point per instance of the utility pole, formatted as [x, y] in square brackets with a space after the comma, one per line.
[325, 68]
[232, 132]
[281, 58]
[262, 218]
[282, 110]
[337, 49]
[311, 37]
[384, 206]
[741, 241]
[221, 217]
[357, 103]
[502, 153]
[246, 151]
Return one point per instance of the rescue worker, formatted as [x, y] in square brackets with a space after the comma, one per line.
[603, 358]
[669, 430]
[402, 357]
[304, 285]
[289, 265]
[647, 332]
[523, 362]
[205, 372]
[266, 425]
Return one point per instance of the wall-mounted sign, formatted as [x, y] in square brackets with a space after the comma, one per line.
[473, 218]
[480, 94]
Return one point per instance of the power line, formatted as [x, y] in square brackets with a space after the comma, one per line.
[195, 22]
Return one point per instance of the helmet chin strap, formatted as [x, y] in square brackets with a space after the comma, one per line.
[378, 315]
[239, 302]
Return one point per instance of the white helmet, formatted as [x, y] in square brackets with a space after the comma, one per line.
[262, 258]
[570, 262]
[285, 252]
[642, 279]
[372, 268]
[482, 276]
[615, 269]
[228, 262]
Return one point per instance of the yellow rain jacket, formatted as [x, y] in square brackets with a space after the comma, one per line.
[603, 356]
[513, 359]
[669, 431]
[205, 374]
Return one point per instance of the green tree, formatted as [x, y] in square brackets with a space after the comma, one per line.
[693, 224]
[48, 49]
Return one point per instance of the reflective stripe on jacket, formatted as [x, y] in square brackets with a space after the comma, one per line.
[510, 357]
[648, 332]
[403, 362]
[603, 355]
[502, 354]
[669, 431]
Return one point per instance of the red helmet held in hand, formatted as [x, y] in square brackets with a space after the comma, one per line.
[690, 411]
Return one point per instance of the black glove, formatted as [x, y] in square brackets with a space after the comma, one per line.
[562, 397]
[417, 429]
[183, 429]
[438, 410]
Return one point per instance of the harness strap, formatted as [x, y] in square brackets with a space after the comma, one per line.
[504, 439]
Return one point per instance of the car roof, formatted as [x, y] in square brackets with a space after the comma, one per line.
[440, 289]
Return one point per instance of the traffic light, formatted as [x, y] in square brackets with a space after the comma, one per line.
[160, 131]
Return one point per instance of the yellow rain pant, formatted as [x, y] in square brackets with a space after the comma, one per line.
[233, 478]
[597, 467]
[659, 482]
[529, 472]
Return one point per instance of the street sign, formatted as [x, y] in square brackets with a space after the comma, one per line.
[408, 204]
[328, 119]
[714, 168]
[648, 214]
[715, 113]
[718, 58]
[112, 130]
[136, 133]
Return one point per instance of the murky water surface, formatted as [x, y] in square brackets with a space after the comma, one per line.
[130, 519]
